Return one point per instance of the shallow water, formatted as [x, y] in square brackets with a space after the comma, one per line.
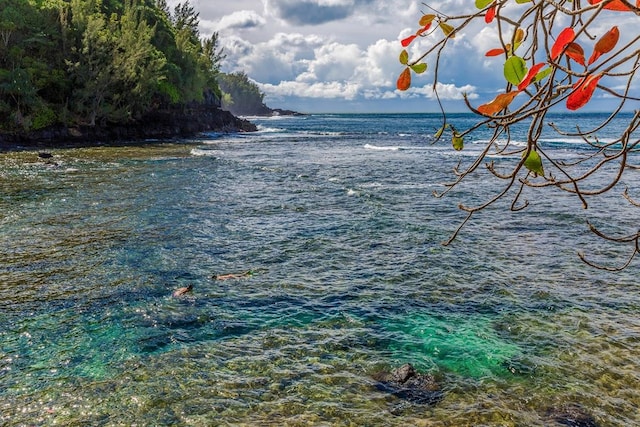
[333, 216]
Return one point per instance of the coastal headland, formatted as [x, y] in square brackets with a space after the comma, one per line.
[157, 125]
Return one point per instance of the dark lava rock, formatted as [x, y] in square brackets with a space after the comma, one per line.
[405, 383]
[184, 122]
[572, 415]
[281, 112]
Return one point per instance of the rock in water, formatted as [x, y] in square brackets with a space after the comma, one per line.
[572, 415]
[405, 383]
[181, 291]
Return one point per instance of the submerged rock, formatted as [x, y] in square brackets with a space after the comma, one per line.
[519, 366]
[572, 415]
[405, 383]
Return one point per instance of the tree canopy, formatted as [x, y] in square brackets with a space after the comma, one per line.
[241, 95]
[553, 55]
[97, 61]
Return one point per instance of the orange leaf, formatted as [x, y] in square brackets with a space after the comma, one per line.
[517, 39]
[575, 52]
[491, 13]
[605, 44]
[494, 52]
[533, 71]
[498, 104]
[582, 92]
[426, 20]
[404, 81]
[406, 42]
[565, 37]
[616, 5]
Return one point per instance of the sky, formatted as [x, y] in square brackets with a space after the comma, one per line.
[323, 56]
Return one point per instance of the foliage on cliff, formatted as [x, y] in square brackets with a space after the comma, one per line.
[88, 62]
[242, 96]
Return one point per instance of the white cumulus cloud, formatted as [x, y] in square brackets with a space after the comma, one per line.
[241, 19]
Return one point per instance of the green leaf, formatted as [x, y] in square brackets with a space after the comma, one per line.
[522, 1]
[534, 163]
[515, 69]
[542, 75]
[439, 132]
[457, 142]
[419, 68]
[447, 29]
[404, 57]
[481, 4]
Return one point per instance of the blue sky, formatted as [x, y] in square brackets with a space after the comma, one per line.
[342, 55]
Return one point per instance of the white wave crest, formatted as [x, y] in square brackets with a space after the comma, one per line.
[381, 148]
[207, 153]
[265, 129]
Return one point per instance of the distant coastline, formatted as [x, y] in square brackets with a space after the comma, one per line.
[157, 125]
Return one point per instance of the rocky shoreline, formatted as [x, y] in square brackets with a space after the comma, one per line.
[159, 125]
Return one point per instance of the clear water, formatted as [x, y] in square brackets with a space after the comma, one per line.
[334, 217]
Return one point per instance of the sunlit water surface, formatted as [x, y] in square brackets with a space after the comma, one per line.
[334, 217]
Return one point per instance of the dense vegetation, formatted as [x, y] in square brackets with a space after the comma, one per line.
[241, 96]
[100, 61]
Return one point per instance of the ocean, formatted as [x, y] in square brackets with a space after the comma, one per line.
[331, 225]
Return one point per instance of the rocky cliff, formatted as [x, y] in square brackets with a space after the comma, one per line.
[162, 124]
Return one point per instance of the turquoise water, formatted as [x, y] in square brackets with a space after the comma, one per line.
[335, 219]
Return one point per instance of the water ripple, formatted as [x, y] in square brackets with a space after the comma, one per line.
[348, 278]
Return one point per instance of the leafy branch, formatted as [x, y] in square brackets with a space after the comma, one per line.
[545, 68]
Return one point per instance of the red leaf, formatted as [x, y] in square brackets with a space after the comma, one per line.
[406, 42]
[565, 37]
[616, 5]
[582, 92]
[533, 71]
[494, 52]
[404, 81]
[423, 29]
[498, 104]
[491, 13]
[605, 44]
[575, 52]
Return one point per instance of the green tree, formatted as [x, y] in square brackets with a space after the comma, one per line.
[213, 57]
[11, 20]
[185, 18]
[545, 67]
[190, 60]
[137, 64]
[19, 93]
[118, 70]
[28, 68]
[213, 53]
[93, 69]
[98, 61]
[243, 97]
